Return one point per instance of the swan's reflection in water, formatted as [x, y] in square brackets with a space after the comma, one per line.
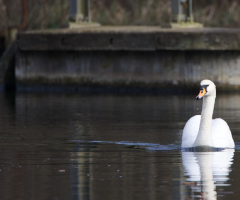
[205, 171]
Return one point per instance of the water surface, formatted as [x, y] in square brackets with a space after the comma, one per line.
[55, 146]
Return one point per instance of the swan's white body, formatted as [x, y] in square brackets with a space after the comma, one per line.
[201, 130]
[221, 134]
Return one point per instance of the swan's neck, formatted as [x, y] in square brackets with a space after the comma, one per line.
[204, 137]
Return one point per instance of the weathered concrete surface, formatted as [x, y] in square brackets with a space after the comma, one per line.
[128, 57]
[135, 38]
[127, 69]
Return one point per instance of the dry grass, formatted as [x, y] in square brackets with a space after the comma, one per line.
[141, 12]
[215, 13]
[41, 13]
[211, 13]
[54, 13]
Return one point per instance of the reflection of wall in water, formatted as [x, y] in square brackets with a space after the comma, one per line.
[80, 173]
[31, 109]
[117, 172]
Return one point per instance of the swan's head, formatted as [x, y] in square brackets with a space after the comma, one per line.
[207, 88]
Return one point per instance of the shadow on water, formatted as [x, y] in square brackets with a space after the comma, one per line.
[10, 100]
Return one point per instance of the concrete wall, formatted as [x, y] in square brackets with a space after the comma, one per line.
[128, 58]
[159, 70]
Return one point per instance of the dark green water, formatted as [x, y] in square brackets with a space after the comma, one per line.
[111, 147]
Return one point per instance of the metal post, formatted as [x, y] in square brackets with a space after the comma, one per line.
[79, 14]
[190, 11]
[182, 16]
[175, 10]
[79, 11]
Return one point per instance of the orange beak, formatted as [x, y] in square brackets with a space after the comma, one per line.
[201, 93]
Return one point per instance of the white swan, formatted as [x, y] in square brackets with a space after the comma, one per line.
[201, 130]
